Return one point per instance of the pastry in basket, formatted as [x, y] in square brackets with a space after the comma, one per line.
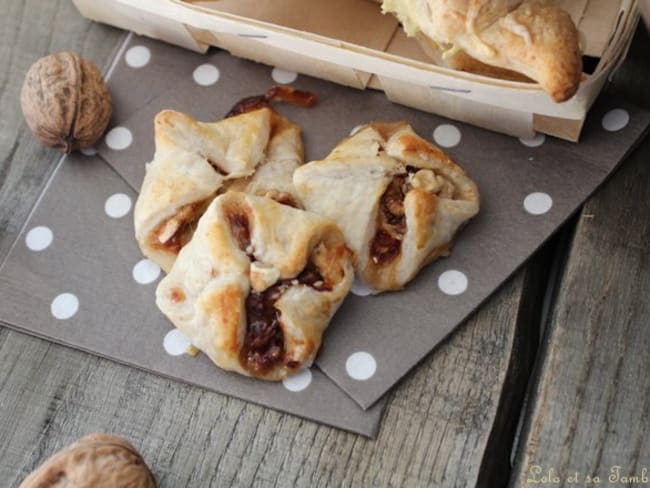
[255, 150]
[398, 199]
[257, 285]
[532, 37]
[461, 61]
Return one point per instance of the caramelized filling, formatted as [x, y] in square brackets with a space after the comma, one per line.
[277, 92]
[264, 340]
[391, 225]
[240, 229]
[172, 234]
[181, 237]
[391, 220]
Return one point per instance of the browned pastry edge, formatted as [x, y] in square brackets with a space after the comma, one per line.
[531, 37]
[461, 61]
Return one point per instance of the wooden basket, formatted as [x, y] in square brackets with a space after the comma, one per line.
[352, 43]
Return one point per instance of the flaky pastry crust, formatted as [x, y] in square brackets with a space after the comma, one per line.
[257, 285]
[531, 37]
[194, 161]
[398, 199]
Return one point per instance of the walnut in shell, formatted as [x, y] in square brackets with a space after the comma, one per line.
[94, 461]
[66, 102]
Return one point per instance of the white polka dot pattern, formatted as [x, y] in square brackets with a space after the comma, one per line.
[283, 76]
[145, 271]
[361, 366]
[176, 343]
[137, 56]
[447, 135]
[64, 306]
[357, 365]
[298, 381]
[452, 282]
[538, 203]
[360, 289]
[119, 138]
[117, 205]
[615, 120]
[206, 75]
[537, 140]
[39, 238]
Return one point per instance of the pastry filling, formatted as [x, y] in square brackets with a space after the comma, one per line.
[391, 225]
[240, 229]
[264, 340]
[276, 92]
[172, 234]
[391, 219]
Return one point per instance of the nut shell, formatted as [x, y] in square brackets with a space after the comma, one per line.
[66, 102]
[94, 461]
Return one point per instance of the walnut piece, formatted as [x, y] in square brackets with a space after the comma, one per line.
[66, 102]
[97, 461]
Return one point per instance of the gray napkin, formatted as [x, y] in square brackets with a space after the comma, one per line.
[73, 257]
[76, 276]
[528, 189]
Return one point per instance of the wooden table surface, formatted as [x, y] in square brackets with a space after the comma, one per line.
[550, 376]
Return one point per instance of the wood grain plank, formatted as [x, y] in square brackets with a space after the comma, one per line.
[29, 30]
[437, 429]
[590, 403]
[446, 424]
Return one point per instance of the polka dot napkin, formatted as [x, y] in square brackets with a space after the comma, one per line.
[76, 276]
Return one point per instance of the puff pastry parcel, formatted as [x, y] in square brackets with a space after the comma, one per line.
[531, 37]
[257, 285]
[254, 152]
[398, 199]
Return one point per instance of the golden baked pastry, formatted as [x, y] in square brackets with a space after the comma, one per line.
[398, 199]
[531, 37]
[461, 61]
[255, 151]
[257, 285]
